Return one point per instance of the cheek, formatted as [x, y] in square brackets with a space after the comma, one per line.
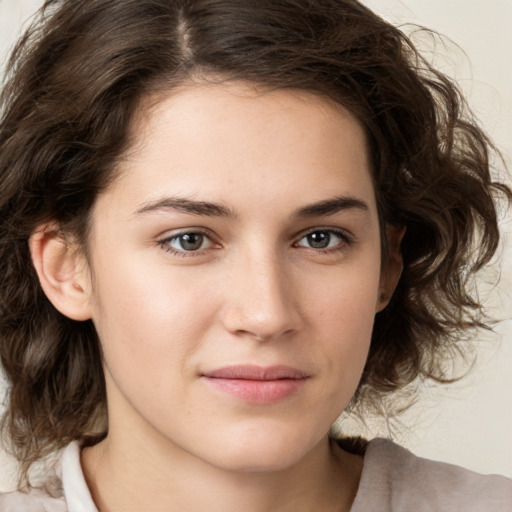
[148, 321]
[342, 311]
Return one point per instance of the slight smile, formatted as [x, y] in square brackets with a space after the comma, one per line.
[256, 384]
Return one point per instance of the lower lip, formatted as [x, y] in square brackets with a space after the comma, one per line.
[257, 391]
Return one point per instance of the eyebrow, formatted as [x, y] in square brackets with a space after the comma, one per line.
[330, 207]
[181, 204]
[209, 209]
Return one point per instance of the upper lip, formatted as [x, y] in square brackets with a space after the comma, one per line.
[252, 372]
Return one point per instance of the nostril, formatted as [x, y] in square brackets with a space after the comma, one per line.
[260, 303]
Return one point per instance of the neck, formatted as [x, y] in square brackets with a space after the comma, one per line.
[150, 476]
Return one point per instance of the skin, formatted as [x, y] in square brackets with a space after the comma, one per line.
[258, 289]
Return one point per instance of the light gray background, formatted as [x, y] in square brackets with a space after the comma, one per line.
[469, 423]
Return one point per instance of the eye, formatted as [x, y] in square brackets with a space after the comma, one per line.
[188, 242]
[324, 239]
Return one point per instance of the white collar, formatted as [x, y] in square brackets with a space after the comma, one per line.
[77, 494]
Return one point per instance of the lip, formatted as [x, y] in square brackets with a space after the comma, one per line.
[256, 384]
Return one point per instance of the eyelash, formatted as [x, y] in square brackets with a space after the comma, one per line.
[345, 241]
[165, 243]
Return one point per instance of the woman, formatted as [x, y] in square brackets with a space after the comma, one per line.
[223, 223]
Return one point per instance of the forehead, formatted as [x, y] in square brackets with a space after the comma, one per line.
[236, 142]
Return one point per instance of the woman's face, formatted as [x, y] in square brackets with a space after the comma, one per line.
[236, 274]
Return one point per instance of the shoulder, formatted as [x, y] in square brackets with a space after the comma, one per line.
[63, 489]
[395, 480]
[34, 500]
[47, 495]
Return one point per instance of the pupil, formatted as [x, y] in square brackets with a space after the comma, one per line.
[191, 241]
[319, 239]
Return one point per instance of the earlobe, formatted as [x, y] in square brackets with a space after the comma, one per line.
[392, 267]
[63, 275]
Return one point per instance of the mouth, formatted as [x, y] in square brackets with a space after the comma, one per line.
[255, 384]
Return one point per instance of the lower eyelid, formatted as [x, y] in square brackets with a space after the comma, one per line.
[165, 242]
[345, 239]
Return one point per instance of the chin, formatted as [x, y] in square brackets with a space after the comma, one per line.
[261, 462]
[260, 453]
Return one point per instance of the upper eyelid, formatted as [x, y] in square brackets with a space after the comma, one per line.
[215, 240]
[164, 243]
[170, 235]
[207, 232]
[337, 231]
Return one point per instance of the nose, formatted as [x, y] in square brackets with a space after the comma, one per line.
[261, 301]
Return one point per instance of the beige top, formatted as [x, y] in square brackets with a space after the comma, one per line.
[393, 480]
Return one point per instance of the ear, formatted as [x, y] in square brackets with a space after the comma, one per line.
[63, 274]
[391, 268]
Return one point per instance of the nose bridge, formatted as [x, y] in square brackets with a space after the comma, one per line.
[261, 302]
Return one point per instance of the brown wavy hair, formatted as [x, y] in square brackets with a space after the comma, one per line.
[73, 83]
